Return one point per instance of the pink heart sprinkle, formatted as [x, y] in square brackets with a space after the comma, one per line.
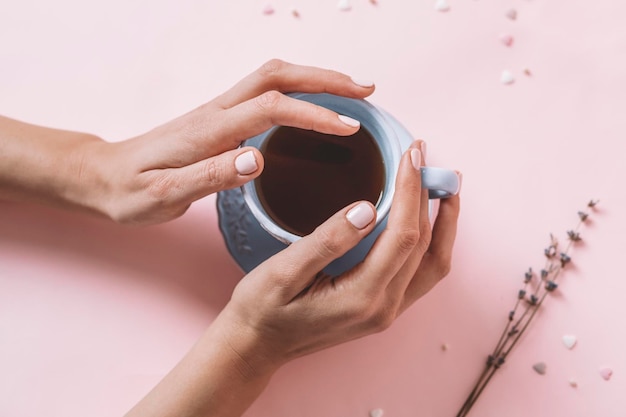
[606, 373]
[506, 39]
[268, 9]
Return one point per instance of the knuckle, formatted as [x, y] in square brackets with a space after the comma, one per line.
[424, 241]
[408, 239]
[268, 101]
[442, 265]
[326, 244]
[271, 68]
[160, 188]
[382, 319]
[213, 173]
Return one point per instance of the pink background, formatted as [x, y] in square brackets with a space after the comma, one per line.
[93, 314]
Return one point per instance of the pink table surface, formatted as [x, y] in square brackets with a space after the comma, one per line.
[93, 314]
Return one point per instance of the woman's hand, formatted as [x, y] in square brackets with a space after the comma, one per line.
[286, 308]
[154, 177]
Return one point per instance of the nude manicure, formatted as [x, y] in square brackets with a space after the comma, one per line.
[361, 215]
[246, 163]
[349, 121]
[416, 158]
[363, 83]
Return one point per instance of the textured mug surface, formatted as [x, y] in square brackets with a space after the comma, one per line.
[252, 236]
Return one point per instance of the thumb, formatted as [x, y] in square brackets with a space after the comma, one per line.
[221, 172]
[296, 265]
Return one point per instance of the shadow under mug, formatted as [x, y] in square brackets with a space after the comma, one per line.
[252, 235]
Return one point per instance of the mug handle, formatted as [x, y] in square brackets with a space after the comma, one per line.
[441, 182]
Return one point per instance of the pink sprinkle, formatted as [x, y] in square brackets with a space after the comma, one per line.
[511, 14]
[268, 10]
[606, 373]
[506, 39]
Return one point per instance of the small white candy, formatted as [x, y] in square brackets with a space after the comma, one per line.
[344, 5]
[569, 340]
[442, 6]
[573, 383]
[507, 78]
[377, 413]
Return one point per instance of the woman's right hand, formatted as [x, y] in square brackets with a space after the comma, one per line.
[286, 308]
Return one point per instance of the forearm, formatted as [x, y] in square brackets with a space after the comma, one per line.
[49, 166]
[215, 379]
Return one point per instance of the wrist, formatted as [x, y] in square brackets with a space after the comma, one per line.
[83, 182]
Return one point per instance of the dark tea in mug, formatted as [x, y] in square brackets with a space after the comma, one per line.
[309, 176]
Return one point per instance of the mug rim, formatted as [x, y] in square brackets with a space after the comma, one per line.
[386, 141]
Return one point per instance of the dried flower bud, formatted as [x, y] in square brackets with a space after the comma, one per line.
[583, 216]
[533, 299]
[592, 203]
[511, 315]
[544, 273]
[528, 275]
[521, 294]
[550, 251]
[573, 236]
[565, 259]
[499, 362]
[553, 240]
[551, 286]
[490, 360]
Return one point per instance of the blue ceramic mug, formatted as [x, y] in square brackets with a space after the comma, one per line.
[252, 235]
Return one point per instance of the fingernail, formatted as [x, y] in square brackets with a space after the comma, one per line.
[459, 174]
[246, 163]
[423, 147]
[361, 215]
[363, 83]
[416, 158]
[349, 121]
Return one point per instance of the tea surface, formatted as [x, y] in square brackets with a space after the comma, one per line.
[309, 176]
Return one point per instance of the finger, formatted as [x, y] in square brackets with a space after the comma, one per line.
[397, 287]
[402, 234]
[213, 135]
[292, 269]
[178, 186]
[437, 260]
[285, 77]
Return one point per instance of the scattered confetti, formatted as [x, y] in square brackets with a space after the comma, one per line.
[540, 368]
[527, 72]
[295, 12]
[445, 347]
[606, 373]
[573, 383]
[506, 77]
[511, 14]
[506, 39]
[569, 340]
[268, 10]
[377, 412]
[344, 5]
[442, 6]
[374, 2]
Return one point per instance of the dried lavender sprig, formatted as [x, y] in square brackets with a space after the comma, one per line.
[497, 359]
